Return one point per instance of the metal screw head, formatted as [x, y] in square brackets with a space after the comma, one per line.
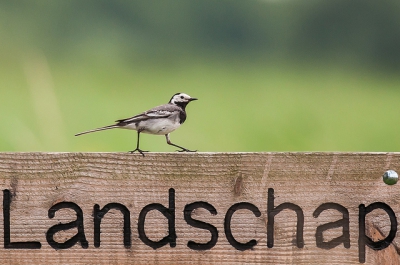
[390, 177]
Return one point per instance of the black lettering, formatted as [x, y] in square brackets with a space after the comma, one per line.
[169, 213]
[272, 211]
[363, 239]
[7, 229]
[99, 214]
[344, 223]
[78, 223]
[227, 225]
[189, 208]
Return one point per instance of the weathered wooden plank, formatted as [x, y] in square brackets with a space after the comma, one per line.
[258, 182]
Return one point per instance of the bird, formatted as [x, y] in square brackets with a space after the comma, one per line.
[160, 120]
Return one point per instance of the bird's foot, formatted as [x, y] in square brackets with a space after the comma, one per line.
[186, 150]
[138, 150]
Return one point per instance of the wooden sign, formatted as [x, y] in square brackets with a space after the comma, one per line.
[198, 208]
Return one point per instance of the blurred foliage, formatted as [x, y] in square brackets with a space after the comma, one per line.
[272, 75]
[366, 30]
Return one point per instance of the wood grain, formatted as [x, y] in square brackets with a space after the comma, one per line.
[37, 181]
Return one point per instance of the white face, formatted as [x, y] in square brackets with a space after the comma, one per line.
[180, 97]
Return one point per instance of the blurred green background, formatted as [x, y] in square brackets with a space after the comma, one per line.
[277, 75]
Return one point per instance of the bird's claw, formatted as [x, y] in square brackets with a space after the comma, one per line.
[186, 150]
[138, 150]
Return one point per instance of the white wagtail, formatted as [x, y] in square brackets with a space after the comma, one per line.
[161, 120]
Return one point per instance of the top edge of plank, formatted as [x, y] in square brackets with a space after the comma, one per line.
[216, 153]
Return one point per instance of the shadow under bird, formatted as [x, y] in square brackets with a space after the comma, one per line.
[160, 120]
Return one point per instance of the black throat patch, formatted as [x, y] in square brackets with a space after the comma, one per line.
[182, 116]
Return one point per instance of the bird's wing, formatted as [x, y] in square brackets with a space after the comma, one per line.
[162, 111]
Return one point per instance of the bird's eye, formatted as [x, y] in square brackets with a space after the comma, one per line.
[181, 97]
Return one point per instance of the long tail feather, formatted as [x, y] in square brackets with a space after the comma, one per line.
[99, 129]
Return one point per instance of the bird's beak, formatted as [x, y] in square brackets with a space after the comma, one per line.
[191, 99]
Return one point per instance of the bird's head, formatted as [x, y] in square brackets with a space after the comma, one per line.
[181, 99]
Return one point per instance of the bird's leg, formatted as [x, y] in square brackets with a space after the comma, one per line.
[182, 148]
[137, 145]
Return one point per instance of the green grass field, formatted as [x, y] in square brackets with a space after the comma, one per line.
[243, 105]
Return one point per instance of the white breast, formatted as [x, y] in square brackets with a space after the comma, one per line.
[159, 126]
